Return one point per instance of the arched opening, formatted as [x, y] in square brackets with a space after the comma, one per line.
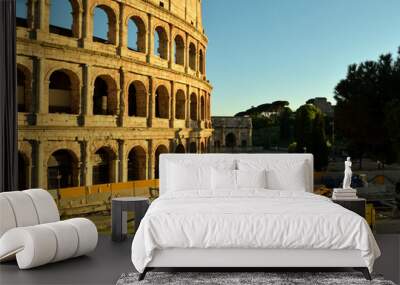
[193, 107]
[23, 89]
[201, 62]
[179, 49]
[21, 11]
[202, 147]
[192, 56]
[217, 144]
[104, 96]
[104, 25]
[23, 168]
[192, 147]
[63, 17]
[180, 103]
[244, 143]
[137, 99]
[63, 93]
[62, 170]
[202, 108]
[137, 164]
[160, 149]
[230, 140]
[162, 102]
[161, 43]
[180, 148]
[103, 166]
[136, 34]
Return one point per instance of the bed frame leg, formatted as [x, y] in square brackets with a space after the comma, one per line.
[364, 271]
[143, 274]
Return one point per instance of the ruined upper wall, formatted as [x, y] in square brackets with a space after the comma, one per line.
[188, 10]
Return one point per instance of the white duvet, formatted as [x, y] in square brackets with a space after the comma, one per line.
[250, 219]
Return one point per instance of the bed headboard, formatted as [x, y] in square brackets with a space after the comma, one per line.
[213, 157]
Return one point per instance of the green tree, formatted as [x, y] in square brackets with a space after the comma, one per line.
[364, 114]
[319, 143]
[303, 132]
[285, 124]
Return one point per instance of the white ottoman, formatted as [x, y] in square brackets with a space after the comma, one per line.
[31, 232]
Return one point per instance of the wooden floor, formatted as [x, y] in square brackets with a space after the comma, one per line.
[110, 260]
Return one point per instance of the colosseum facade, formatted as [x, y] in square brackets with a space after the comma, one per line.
[95, 110]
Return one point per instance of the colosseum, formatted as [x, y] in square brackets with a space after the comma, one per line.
[96, 109]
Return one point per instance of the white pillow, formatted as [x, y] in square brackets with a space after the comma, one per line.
[251, 178]
[223, 179]
[281, 174]
[182, 177]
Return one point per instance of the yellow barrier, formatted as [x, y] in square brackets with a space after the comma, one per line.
[370, 215]
[94, 198]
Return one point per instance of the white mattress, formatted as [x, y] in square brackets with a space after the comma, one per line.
[252, 219]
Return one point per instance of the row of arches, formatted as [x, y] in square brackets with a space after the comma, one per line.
[65, 17]
[63, 165]
[231, 141]
[64, 97]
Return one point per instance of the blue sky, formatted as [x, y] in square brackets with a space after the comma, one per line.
[265, 50]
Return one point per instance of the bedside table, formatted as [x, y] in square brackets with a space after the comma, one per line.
[355, 205]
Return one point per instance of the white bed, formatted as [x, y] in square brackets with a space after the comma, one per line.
[248, 227]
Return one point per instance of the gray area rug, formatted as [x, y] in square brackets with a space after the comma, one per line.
[229, 278]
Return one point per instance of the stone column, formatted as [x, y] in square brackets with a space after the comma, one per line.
[151, 107]
[87, 101]
[150, 41]
[172, 105]
[186, 53]
[122, 97]
[171, 47]
[123, 165]
[87, 164]
[87, 23]
[197, 59]
[42, 19]
[123, 31]
[187, 106]
[115, 164]
[41, 87]
[151, 160]
[39, 165]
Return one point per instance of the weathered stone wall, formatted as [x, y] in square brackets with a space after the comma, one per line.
[41, 52]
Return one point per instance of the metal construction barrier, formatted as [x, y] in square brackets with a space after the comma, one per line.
[96, 198]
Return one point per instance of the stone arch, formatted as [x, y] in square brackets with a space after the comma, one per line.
[201, 61]
[62, 169]
[159, 150]
[105, 97]
[57, 24]
[180, 148]
[136, 30]
[24, 89]
[64, 92]
[104, 166]
[137, 99]
[202, 108]
[179, 50]
[98, 12]
[137, 164]
[230, 140]
[192, 56]
[180, 103]
[193, 106]
[23, 171]
[161, 42]
[193, 147]
[162, 102]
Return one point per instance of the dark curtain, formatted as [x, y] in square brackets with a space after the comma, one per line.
[8, 104]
